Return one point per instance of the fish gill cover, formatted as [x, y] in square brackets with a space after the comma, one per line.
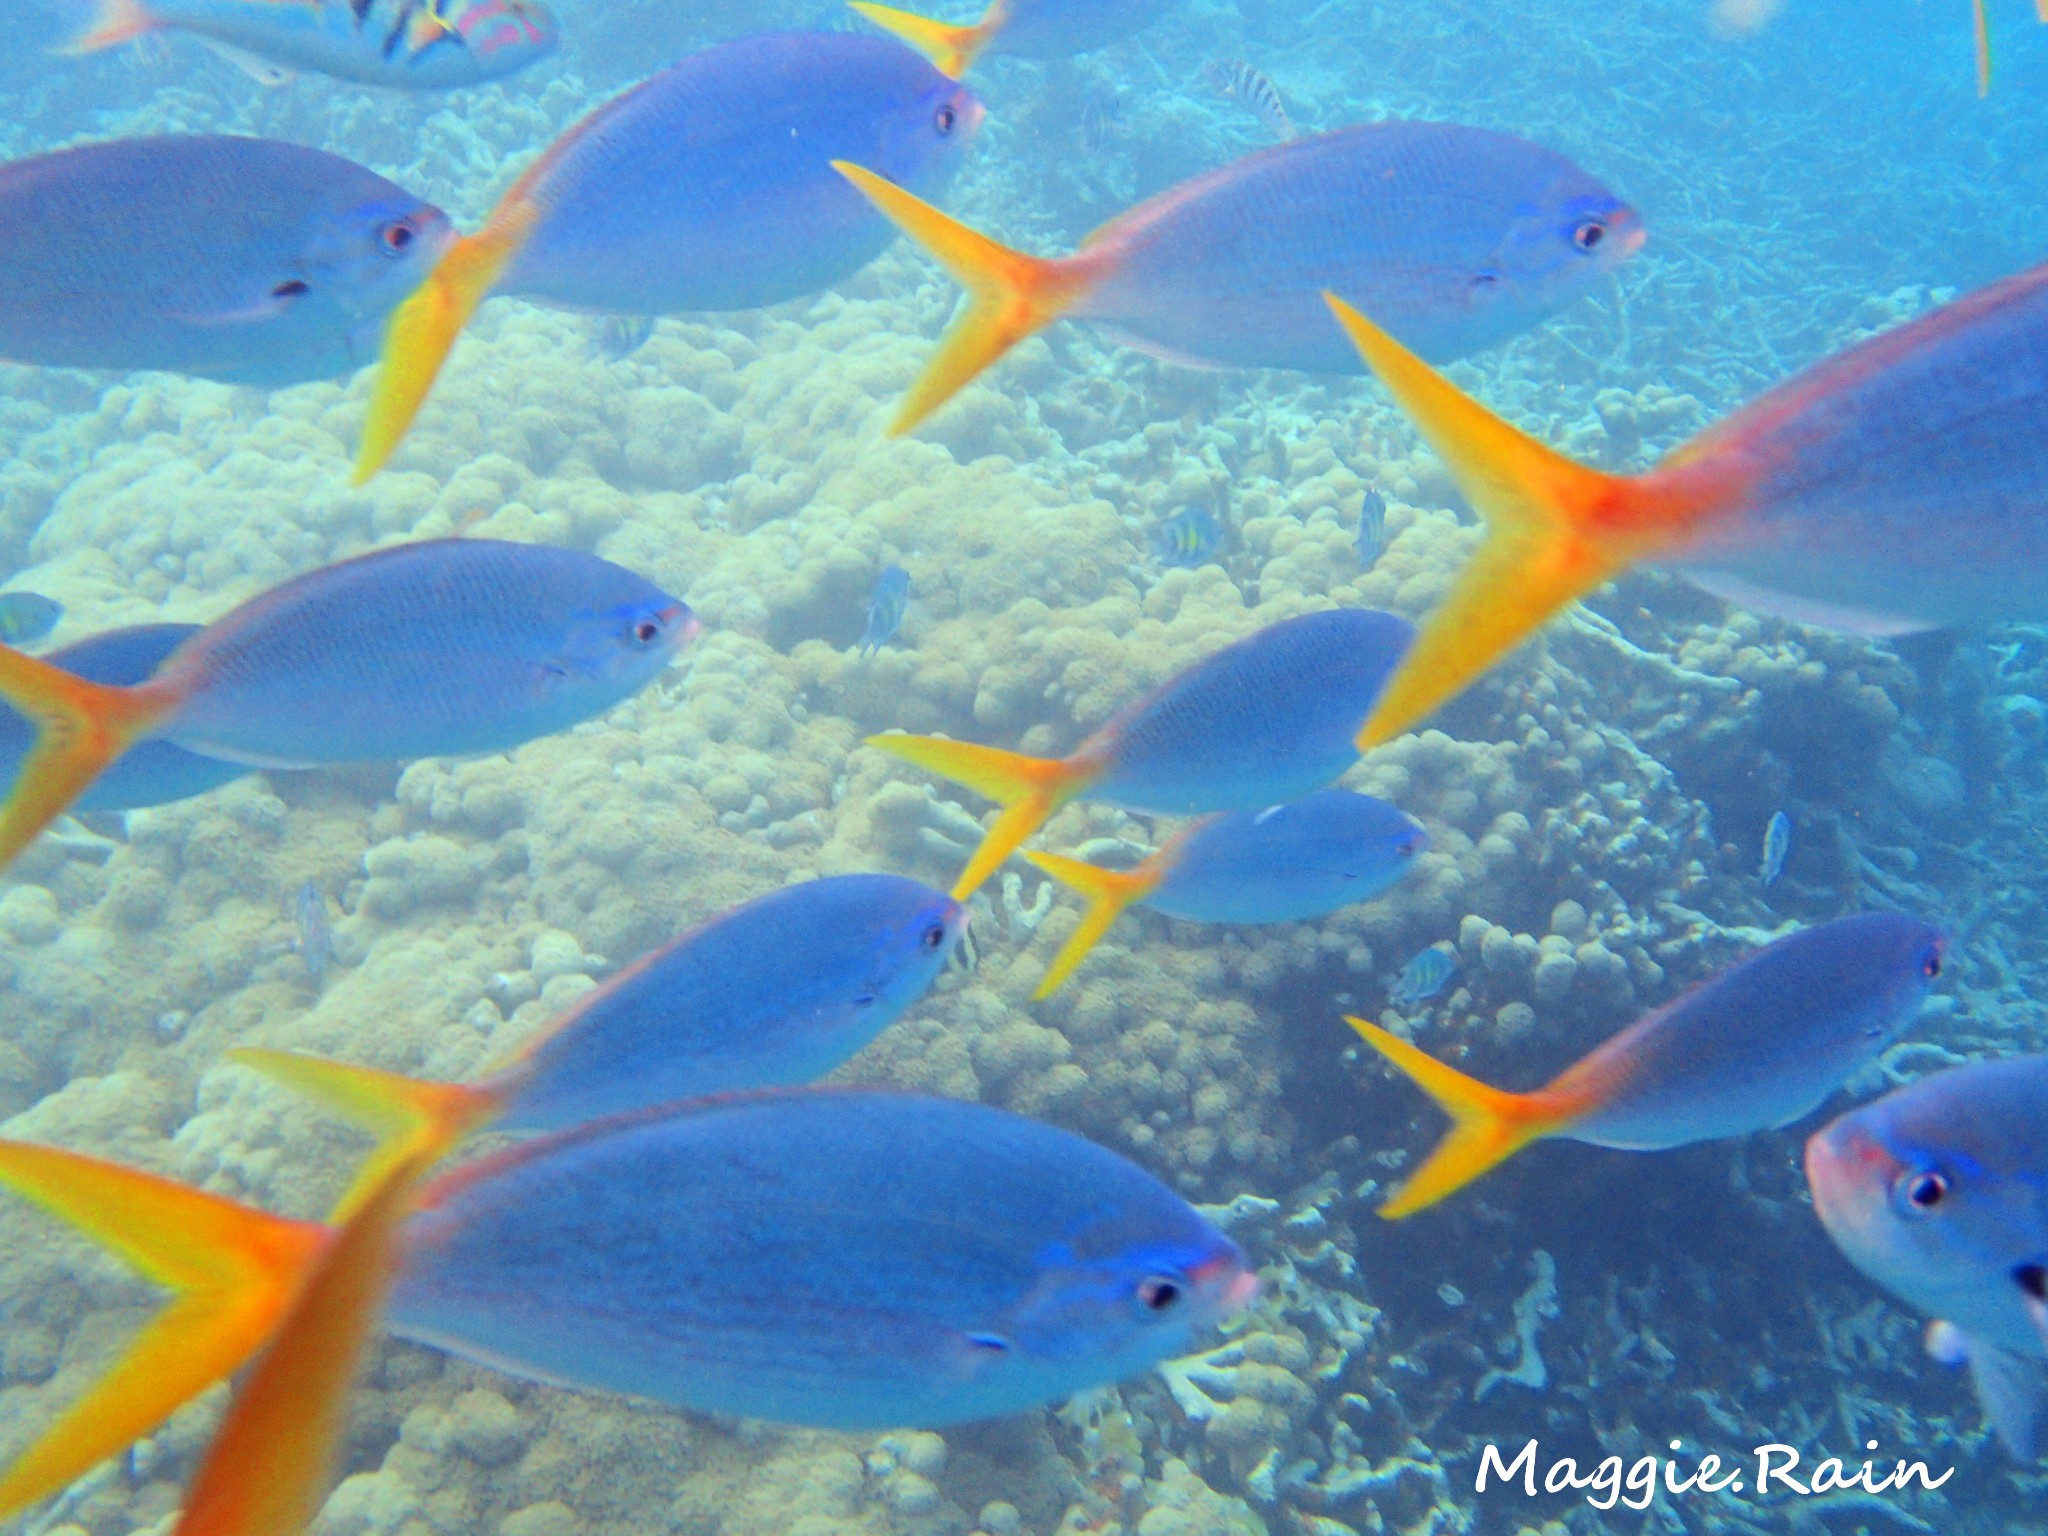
[1593, 804]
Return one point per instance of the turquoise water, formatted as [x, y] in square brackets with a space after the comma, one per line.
[1599, 800]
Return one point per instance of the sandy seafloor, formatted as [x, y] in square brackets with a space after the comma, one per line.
[1595, 806]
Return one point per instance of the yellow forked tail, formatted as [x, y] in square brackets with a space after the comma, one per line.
[81, 727]
[231, 1271]
[1029, 789]
[1108, 891]
[1554, 531]
[1010, 295]
[425, 326]
[952, 48]
[408, 1116]
[268, 1467]
[236, 1275]
[1489, 1125]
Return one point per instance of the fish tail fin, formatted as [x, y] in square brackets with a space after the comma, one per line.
[113, 22]
[269, 1465]
[1029, 789]
[1108, 891]
[411, 1118]
[1554, 531]
[1010, 295]
[423, 329]
[80, 727]
[232, 1272]
[951, 48]
[1488, 1125]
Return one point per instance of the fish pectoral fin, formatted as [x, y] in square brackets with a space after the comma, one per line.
[1555, 530]
[1108, 891]
[1488, 1125]
[1010, 295]
[232, 1272]
[2012, 1393]
[951, 48]
[263, 71]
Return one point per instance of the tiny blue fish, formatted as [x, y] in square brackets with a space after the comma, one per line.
[25, 617]
[1187, 539]
[1424, 976]
[620, 336]
[315, 941]
[885, 609]
[1372, 528]
[1777, 843]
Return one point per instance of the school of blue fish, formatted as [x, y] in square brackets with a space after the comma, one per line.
[677, 1207]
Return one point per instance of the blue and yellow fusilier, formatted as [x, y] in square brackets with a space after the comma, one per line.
[248, 260]
[1756, 1046]
[1284, 864]
[1255, 724]
[446, 647]
[1462, 237]
[706, 187]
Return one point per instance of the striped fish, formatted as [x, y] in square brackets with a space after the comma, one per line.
[1253, 89]
[415, 45]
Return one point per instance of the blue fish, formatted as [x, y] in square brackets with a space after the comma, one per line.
[249, 260]
[1284, 864]
[1372, 528]
[885, 609]
[774, 993]
[1777, 843]
[838, 1258]
[1187, 539]
[151, 772]
[443, 647]
[315, 940]
[1424, 976]
[25, 617]
[1939, 1193]
[1754, 1047]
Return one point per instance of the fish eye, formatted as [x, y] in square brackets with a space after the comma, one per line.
[1923, 1191]
[647, 631]
[1589, 235]
[946, 118]
[291, 288]
[934, 937]
[1406, 847]
[1931, 966]
[395, 237]
[1156, 1293]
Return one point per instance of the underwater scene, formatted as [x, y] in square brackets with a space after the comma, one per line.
[785, 769]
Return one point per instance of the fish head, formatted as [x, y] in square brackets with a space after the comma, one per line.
[360, 260]
[1922, 1192]
[924, 134]
[1561, 242]
[914, 932]
[1868, 978]
[623, 647]
[506, 34]
[1134, 1281]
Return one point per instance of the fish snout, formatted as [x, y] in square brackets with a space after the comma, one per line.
[1848, 1172]
[1628, 232]
[685, 623]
